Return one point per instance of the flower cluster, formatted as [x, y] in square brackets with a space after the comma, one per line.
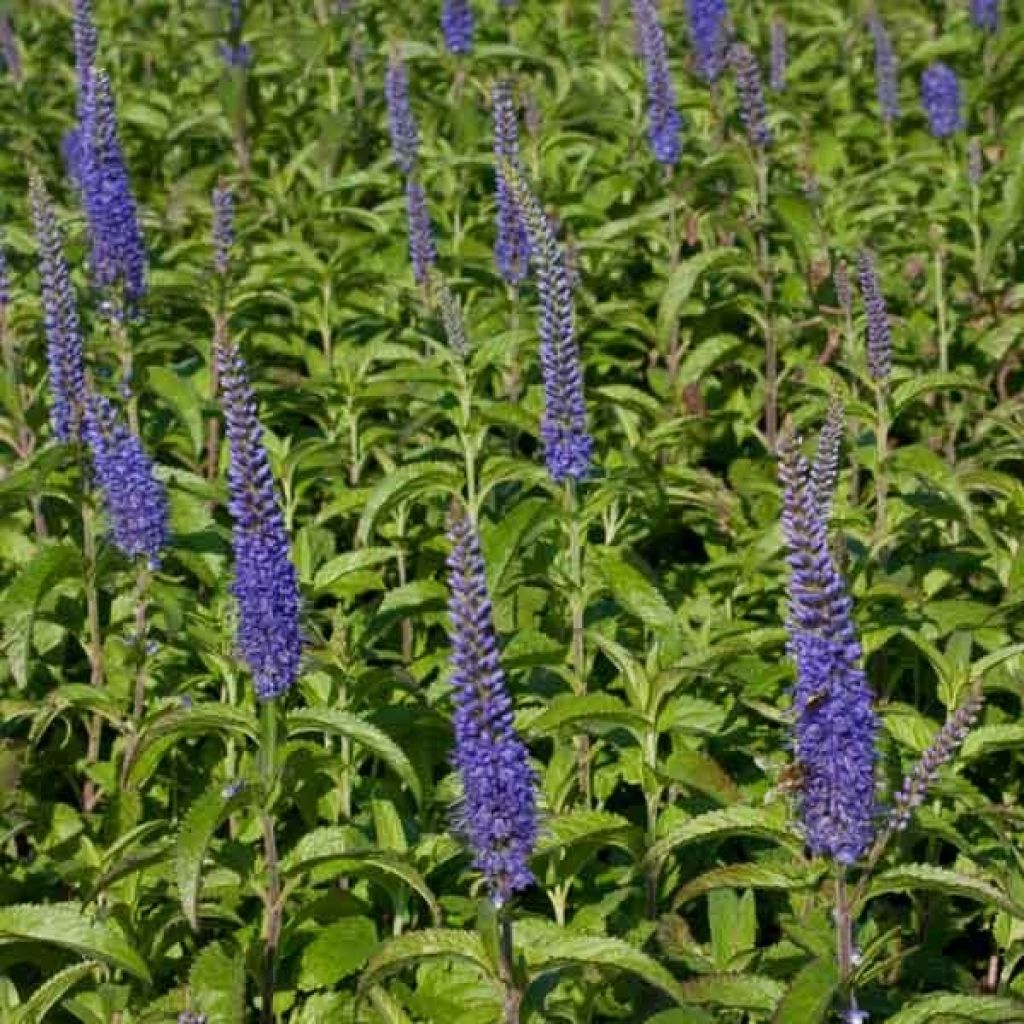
[457, 26]
[887, 71]
[751, 93]
[452, 320]
[985, 14]
[422, 253]
[9, 49]
[834, 720]
[512, 248]
[234, 52]
[135, 501]
[777, 79]
[265, 584]
[879, 331]
[498, 813]
[825, 469]
[940, 97]
[567, 444]
[844, 290]
[709, 34]
[925, 773]
[664, 121]
[223, 227]
[60, 315]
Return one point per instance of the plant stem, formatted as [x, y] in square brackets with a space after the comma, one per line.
[268, 774]
[844, 929]
[576, 611]
[513, 997]
[881, 455]
[90, 794]
[771, 355]
[141, 638]
[949, 431]
[220, 337]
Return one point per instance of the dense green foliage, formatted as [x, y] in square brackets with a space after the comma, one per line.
[672, 881]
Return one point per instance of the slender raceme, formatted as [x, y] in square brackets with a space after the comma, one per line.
[567, 443]
[405, 141]
[887, 71]
[777, 80]
[135, 501]
[709, 35]
[498, 812]
[985, 14]
[879, 341]
[834, 720]
[422, 253]
[265, 585]
[664, 122]
[60, 314]
[457, 26]
[512, 247]
[223, 202]
[825, 468]
[753, 109]
[940, 97]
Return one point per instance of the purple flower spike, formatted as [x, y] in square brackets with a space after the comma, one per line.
[265, 585]
[567, 444]
[457, 25]
[234, 52]
[985, 14]
[887, 71]
[709, 35]
[925, 773]
[512, 248]
[825, 470]
[879, 330]
[422, 253]
[751, 93]
[498, 814]
[405, 140]
[777, 80]
[664, 121]
[940, 97]
[5, 281]
[60, 314]
[223, 227]
[135, 500]
[117, 259]
[9, 49]
[835, 723]
[975, 162]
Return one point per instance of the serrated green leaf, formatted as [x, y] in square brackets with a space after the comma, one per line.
[782, 877]
[338, 950]
[928, 383]
[405, 951]
[734, 821]
[67, 925]
[935, 879]
[51, 992]
[636, 593]
[973, 1009]
[217, 983]
[334, 722]
[809, 997]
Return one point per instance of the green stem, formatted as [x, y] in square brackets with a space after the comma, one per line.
[90, 794]
[771, 354]
[513, 996]
[576, 611]
[942, 315]
[274, 905]
[881, 456]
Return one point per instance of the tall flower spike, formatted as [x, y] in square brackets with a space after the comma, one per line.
[879, 331]
[777, 80]
[457, 26]
[223, 227]
[405, 140]
[709, 33]
[512, 248]
[925, 773]
[498, 814]
[265, 585]
[60, 315]
[135, 500]
[452, 320]
[422, 253]
[117, 259]
[664, 121]
[940, 97]
[887, 70]
[834, 721]
[567, 444]
[751, 93]
[825, 470]
[86, 48]
[5, 281]
[985, 14]
[9, 49]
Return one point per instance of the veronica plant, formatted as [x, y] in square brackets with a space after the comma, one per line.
[940, 97]
[886, 71]
[709, 33]
[664, 122]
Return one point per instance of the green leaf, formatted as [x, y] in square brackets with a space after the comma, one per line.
[204, 817]
[635, 592]
[734, 821]
[335, 722]
[405, 483]
[67, 925]
[681, 285]
[217, 982]
[809, 998]
[596, 710]
[927, 383]
[783, 877]
[735, 991]
[51, 992]
[969, 1009]
[582, 826]
[405, 951]
[550, 948]
[936, 879]
[339, 950]
[987, 739]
